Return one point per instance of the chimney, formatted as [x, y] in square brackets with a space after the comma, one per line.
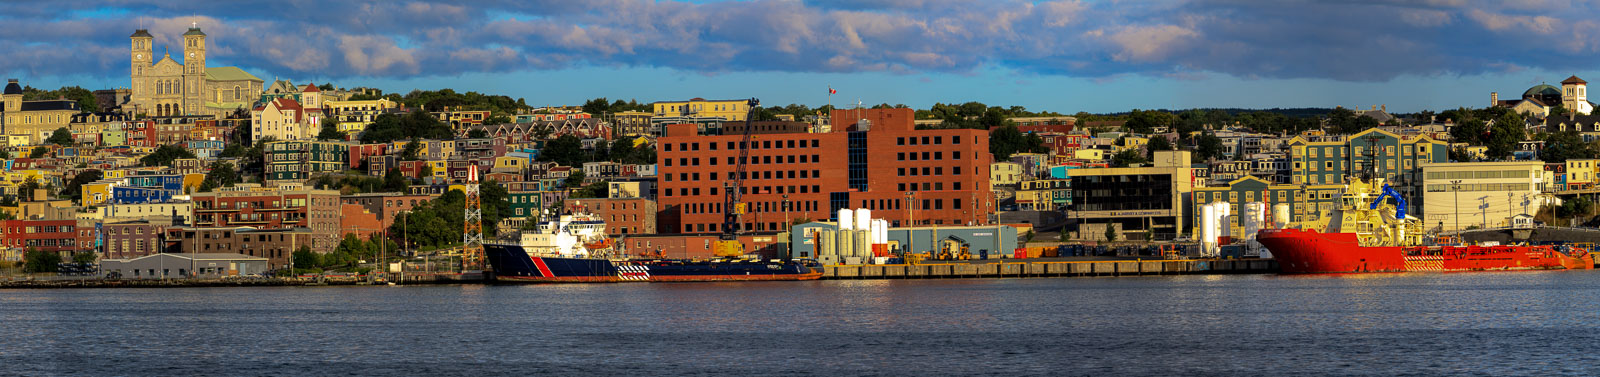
[1384, 107]
[1494, 99]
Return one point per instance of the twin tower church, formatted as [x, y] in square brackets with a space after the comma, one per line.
[162, 86]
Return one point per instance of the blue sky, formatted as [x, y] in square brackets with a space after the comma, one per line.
[1065, 56]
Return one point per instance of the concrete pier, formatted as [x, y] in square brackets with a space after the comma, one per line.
[1021, 269]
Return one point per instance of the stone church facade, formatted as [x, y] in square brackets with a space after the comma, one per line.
[166, 87]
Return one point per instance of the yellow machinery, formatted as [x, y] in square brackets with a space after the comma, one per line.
[728, 245]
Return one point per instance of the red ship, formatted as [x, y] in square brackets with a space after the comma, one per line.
[1386, 240]
[1309, 251]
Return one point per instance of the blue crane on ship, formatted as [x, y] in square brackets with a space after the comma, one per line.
[1399, 201]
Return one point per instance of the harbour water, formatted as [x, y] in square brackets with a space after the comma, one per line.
[1430, 324]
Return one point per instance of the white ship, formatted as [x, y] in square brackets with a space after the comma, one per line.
[572, 236]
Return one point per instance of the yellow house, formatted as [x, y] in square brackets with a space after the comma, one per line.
[1089, 154]
[114, 174]
[510, 162]
[96, 193]
[191, 182]
[355, 116]
[733, 110]
[37, 119]
[1005, 173]
[17, 140]
[438, 168]
[19, 176]
[1581, 173]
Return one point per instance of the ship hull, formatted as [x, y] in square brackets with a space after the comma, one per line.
[512, 263]
[1308, 251]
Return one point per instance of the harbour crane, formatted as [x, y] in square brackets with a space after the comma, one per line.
[728, 245]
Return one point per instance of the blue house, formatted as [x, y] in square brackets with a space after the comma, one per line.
[139, 195]
[170, 182]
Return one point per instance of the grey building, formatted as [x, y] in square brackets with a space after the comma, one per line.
[179, 266]
[916, 240]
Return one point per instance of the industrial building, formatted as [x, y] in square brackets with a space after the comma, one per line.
[179, 266]
[1482, 194]
[807, 237]
[1135, 202]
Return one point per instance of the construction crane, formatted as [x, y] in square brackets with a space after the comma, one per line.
[728, 245]
[472, 236]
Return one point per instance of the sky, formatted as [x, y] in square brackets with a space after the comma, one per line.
[1064, 56]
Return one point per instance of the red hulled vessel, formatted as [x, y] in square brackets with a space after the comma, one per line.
[1368, 234]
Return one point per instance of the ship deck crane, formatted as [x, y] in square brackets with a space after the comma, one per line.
[728, 245]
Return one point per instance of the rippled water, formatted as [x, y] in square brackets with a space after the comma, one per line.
[1526, 323]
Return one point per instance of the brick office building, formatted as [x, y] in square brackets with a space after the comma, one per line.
[318, 210]
[277, 245]
[873, 159]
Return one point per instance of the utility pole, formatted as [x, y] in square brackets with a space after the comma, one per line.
[1456, 187]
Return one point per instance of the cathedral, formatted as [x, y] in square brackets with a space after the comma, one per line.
[165, 87]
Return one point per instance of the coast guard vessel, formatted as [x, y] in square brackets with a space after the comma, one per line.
[575, 249]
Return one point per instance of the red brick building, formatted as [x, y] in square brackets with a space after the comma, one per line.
[623, 215]
[360, 152]
[318, 210]
[277, 245]
[44, 235]
[812, 175]
[386, 205]
[132, 239]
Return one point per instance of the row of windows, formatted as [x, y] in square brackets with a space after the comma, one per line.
[801, 189]
[1478, 187]
[764, 144]
[1250, 196]
[1487, 174]
[928, 186]
[936, 170]
[924, 156]
[936, 140]
[695, 161]
[754, 207]
[769, 174]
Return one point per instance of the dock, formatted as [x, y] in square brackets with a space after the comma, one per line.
[1007, 269]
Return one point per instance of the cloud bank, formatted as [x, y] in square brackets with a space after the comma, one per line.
[1373, 40]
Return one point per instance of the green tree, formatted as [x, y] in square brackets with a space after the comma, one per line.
[221, 174]
[1127, 157]
[1006, 141]
[497, 119]
[416, 125]
[74, 187]
[597, 106]
[1566, 145]
[36, 261]
[394, 180]
[566, 150]
[85, 98]
[38, 152]
[477, 133]
[426, 171]
[85, 257]
[304, 258]
[575, 179]
[164, 155]
[1111, 233]
[592, 190]
[1158, 143]
[1504, 136]
[330, 130]
[622, 150]
[61, 137]
[1208, 147]
[412, 151]
[25, 190]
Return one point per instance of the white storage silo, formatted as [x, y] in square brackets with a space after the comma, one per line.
[824, 243]
[883, 230]
[1280, 216]
[1208, 221]
[847, 219]
[1254, 216]
[863, 219]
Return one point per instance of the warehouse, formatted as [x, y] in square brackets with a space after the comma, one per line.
[916, 240]
[178, 266]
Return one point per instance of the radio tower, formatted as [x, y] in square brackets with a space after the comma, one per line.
[472, 237]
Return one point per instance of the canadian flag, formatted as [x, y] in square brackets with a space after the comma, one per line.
[831, 91]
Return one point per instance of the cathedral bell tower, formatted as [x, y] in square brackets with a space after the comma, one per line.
[194, 70]
[140, 52]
